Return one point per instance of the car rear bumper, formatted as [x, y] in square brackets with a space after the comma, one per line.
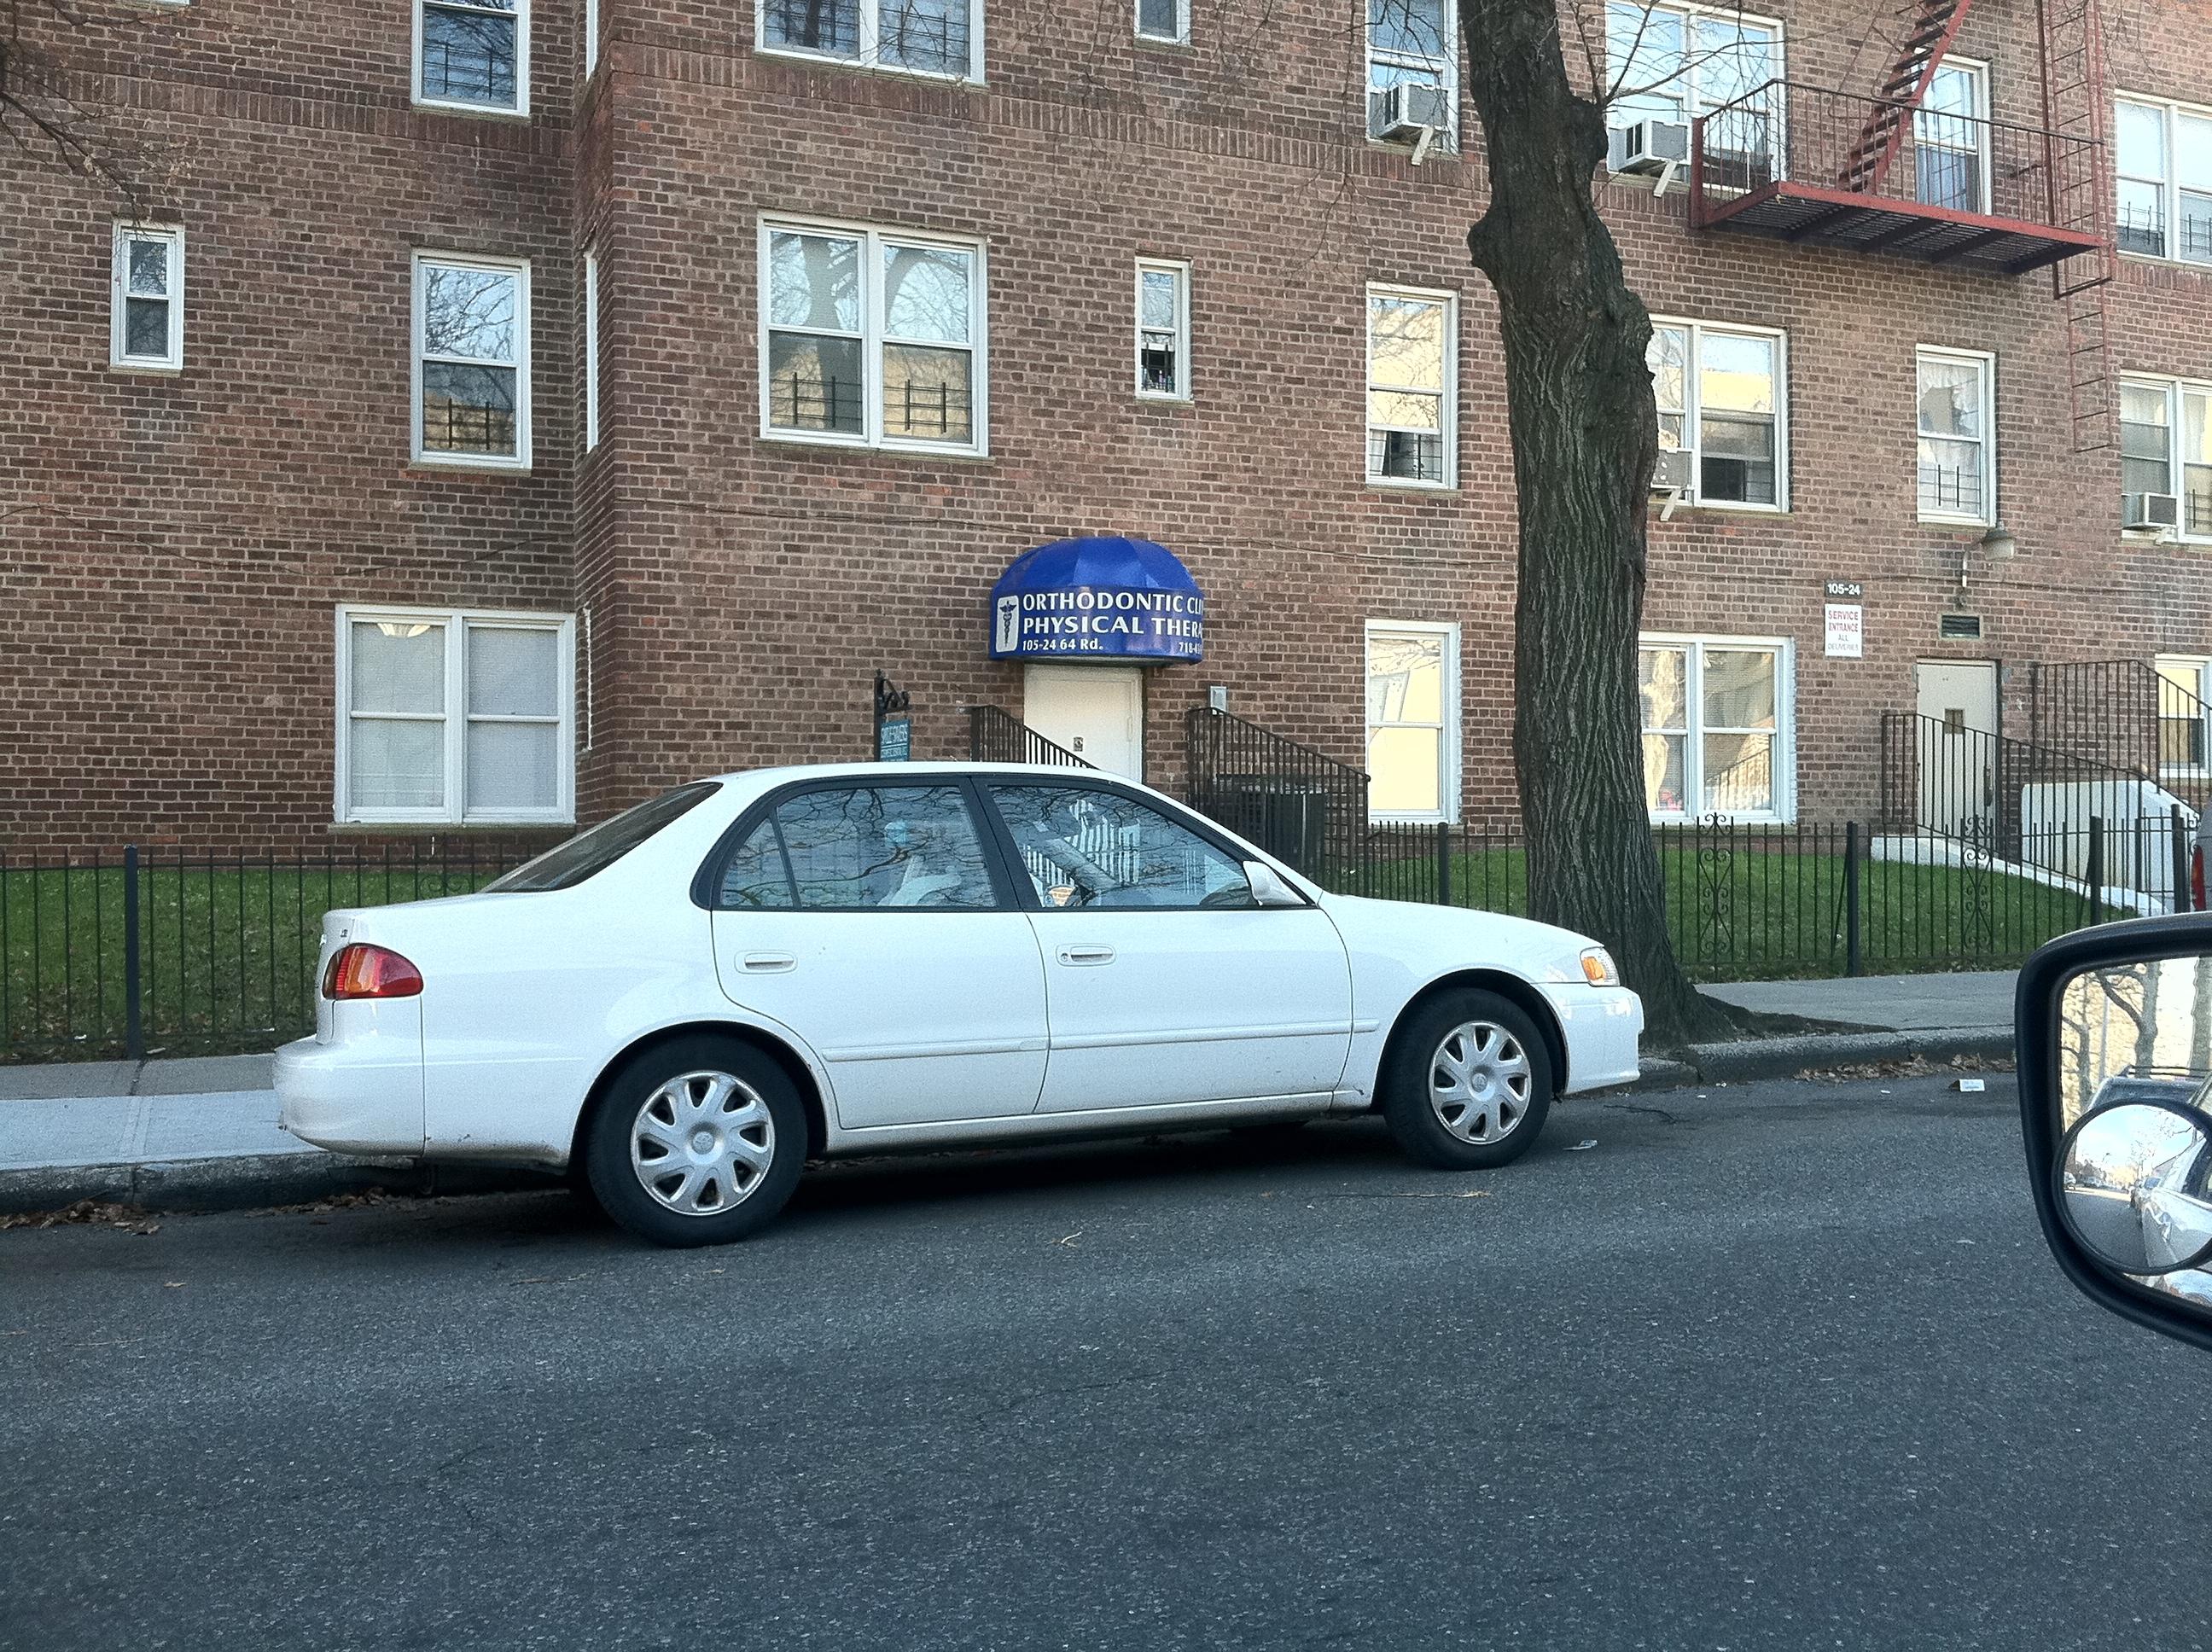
[363, 1096]
[1603, 1025]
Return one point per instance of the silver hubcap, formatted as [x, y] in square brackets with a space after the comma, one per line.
[701, 1143]
[1478, 1081]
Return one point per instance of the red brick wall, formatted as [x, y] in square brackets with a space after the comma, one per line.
[165, 646]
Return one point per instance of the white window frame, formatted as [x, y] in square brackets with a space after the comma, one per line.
[1977, 70]
[1181, 271]
[1688, 97]
[1986, 361]
[1449, 414]
[867, 57]
[873, 237]
[1784, 762]
[2169, 111]
[456, 716]
[119, 334]
[1693, 417]
[520, 108]
[520, 268]
[1446, 59]
[591, 348]
[2176, 392]
[1448, 735]
[590, 39]
[2201, 665]
[1181, 35]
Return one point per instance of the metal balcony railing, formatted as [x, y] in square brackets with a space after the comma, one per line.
[1804, 163]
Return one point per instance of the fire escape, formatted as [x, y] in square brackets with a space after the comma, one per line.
[1897, 173]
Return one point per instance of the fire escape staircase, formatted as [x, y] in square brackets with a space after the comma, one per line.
[1934, 26]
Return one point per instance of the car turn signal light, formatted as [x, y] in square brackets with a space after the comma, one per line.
[363, 971]
[1598, 967]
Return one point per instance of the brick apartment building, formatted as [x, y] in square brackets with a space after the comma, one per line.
[501, 410]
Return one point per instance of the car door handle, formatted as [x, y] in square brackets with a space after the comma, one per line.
[1083, 955]
[769, 964]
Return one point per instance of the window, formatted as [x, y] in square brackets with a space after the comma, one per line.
[1083, 846]
[590, 351]
[1163, 330]
[1958, 453]
[1165, 21]
[872, 338]
[1717, 728]
[1721, 398]
[2184, 688]
[592, 853]
[471, 361]
[1677, 63]
[2163, 155]
[473, 54]
[1414, 42]
[1413, 720]
[455, 717]
[1951, 137]
[862, 848]
[922, 37]
[1412, 341]
[147, 329]
[2153, 413]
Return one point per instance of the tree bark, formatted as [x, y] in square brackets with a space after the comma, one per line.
[1585, 436]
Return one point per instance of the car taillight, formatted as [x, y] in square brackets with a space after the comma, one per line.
[363, 971]
[2197, 877]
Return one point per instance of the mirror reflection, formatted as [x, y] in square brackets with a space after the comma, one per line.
[2133, 1181]
[2134, 1057]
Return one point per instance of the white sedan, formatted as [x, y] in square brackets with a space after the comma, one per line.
[691, 1000]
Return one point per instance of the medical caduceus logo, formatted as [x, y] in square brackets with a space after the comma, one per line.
[1009, 624]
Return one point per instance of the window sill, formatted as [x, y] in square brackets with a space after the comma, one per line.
[900, 450]
[431, 464]
[1962, 522]
[1439, 145]
[2167, 261]
[1730, 508]
[1162, 43]
[473, 827]
[1410, 820]
[824, 60]
[1408, 485]
[148, 369]
[516, 117]
[1161, 398]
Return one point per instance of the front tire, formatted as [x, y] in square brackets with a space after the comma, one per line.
[697, 1142]
[1467, 1084]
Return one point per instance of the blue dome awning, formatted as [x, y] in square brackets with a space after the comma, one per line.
[1105, 598]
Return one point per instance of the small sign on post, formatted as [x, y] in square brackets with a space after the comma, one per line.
[894, 728]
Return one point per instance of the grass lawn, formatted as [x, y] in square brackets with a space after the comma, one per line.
[226, 950]
[1763, 910]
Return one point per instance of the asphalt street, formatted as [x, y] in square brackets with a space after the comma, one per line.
[1781, 1365]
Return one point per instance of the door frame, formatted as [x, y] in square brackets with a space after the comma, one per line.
[1144, 703]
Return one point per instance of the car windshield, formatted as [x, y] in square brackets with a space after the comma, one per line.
[593, 852]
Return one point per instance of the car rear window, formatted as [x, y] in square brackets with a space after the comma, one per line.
[593, 852]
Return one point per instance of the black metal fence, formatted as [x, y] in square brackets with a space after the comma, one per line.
[167, 952]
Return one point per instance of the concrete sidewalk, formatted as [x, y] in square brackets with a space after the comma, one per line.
[201, 1133]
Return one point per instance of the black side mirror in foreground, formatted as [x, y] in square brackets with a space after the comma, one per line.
[2114, 1031]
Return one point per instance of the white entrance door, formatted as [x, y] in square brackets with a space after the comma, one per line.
[1098, 712]
[1957, 743]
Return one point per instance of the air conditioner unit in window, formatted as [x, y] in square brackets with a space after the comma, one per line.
[1403, 113]
[2149, 512]
[1649, 148]
[1671, 474]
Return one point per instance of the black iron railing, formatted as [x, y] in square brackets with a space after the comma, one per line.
[1293, 801]
[2128, 715]
[997, 736]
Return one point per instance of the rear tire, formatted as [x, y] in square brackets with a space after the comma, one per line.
[1468, 1083]
[697, 1142]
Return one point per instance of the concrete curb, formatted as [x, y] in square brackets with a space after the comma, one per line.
[1790, 1058]
[251, 1181]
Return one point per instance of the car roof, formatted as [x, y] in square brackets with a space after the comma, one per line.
[779, 776]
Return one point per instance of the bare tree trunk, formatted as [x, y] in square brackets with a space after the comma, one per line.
[1585, 437]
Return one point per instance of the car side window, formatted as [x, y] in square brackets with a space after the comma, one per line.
[1084, 848]
[863, 846]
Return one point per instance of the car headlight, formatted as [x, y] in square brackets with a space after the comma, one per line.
[1599, 968]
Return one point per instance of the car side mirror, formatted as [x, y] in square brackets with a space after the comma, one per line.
[1269, 889]
[2114, 1033]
